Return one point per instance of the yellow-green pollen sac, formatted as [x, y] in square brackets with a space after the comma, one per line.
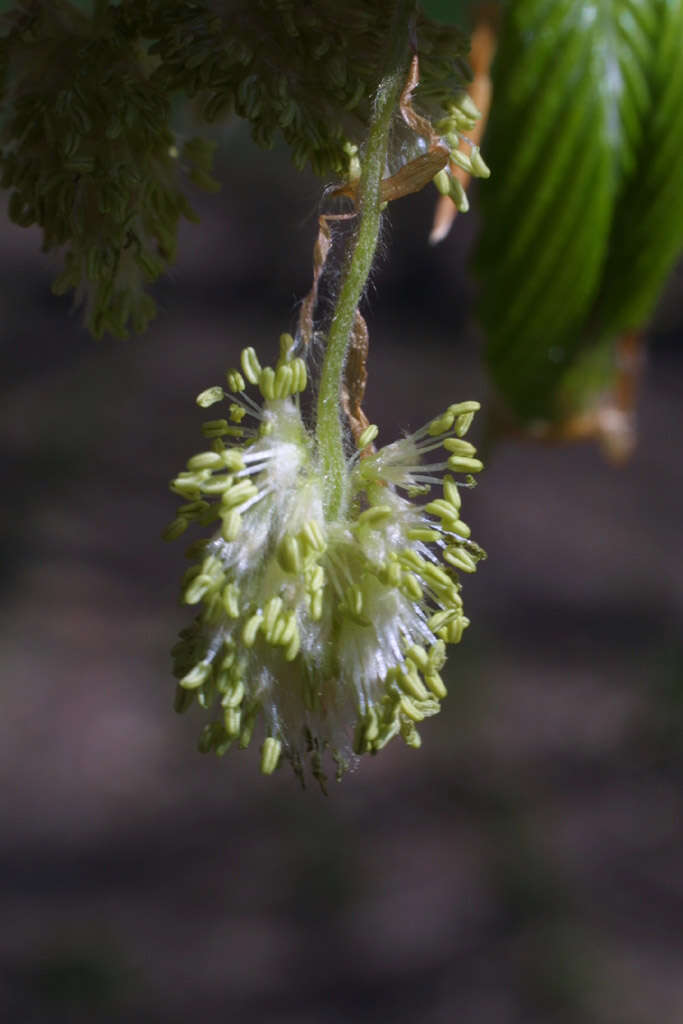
[332, 632]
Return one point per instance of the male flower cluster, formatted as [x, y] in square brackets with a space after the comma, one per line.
[332, 628]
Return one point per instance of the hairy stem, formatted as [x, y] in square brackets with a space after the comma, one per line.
[329, 428]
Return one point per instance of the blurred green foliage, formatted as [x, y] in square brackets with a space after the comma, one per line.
[583, 217]
[89, 148]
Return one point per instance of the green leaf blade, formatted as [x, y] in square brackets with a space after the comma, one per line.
[571, 130]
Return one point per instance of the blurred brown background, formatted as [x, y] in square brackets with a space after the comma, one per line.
[524, 867]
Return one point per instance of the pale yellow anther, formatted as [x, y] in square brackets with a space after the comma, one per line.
[410, 585]
[460, 558]
[300, 376]
[283, 381]
[205, 460]
[440, 619]
[353, 599]
[463, 423]
[435, 684]
[251, 628]
[231, 603]
[196, 590]
[411, 559]
[218, 484]
[442, 181]
[175, 528]
[210, 397]
[237, 412]
[232, 720]
[460, 528]
[412, 737]
[186, 485]
[392, 573]
[451, 492]
[436, 577]
[231, 525]
[462, 160]
[371, 725]
[247, 730]
[313, 536]
[480, 168]
[270, 755]
[437, 656]
[387, 732]
[410, 683]
[212, 565]
[459, 196]
[410, 709]
[423, 534]
[429, 707]
[316, 578]
[232, 460]
[289, 629]
[458, 408]
[228, 659]
[235, 381]
[460, 464]
[317, 605]
[239, 493]
[293, 646]
[223, 681]
[193, 509]
[190, 573]
[270, 614]
[251, 368]
[442, 509]
[457, 446]
[354, 159]
[442, 424]
[266, 383]
[289, 555]
[419, 656]
[234, 696]
[286, 346]
[375, 516]
[214, 428]
[467, 106]
[453, 630]
[196, 676]
[367, 436]
[463, 123]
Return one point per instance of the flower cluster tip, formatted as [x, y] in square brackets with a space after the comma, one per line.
[333, 631]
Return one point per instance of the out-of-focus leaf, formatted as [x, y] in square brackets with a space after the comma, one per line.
[647, 232]
[450, 12]
[575, 108]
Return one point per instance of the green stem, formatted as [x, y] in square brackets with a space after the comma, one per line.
[329, 428]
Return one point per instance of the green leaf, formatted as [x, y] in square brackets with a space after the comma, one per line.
[449, 12]
[647, 230]
[576, 105]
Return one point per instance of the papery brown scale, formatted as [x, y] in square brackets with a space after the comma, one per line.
[355, 380]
